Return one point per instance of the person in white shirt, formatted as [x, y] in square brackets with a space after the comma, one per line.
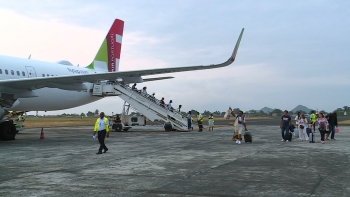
[228, 114]
[297, 118]
[102, 130]
[170, 108]
[239, 125]
[302, 125]
[144, 91]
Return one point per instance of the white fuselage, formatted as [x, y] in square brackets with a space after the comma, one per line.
[47, 99]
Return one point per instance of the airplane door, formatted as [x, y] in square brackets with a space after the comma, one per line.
[31, 72]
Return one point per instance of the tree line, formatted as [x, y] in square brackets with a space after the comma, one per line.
[340, 112]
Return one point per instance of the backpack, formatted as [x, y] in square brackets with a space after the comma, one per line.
[322, 126]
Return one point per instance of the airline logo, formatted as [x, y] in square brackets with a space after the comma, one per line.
[114, 44]
[77, 71]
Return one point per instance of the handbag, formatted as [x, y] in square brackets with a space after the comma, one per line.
[337, 130]
[301, 126]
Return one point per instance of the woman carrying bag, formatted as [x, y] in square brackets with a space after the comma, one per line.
[322, 126]
[302, 122]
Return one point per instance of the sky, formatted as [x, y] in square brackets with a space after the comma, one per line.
[292, 52]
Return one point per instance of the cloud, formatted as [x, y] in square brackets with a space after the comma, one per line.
[290, 54]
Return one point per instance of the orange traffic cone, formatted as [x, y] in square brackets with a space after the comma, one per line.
[42, 134]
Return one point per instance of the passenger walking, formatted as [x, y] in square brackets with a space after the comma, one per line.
[179, 109]
[189, 120]
[302, 125]
[313, 119]
[153, 97]
[322, 126]
[192, 123]
[144, 91]
[332, 122]
[286, 120]
[134, 87]
[200, 122]
[228, 113]
[297, 118]
[161, 102]
[239, 124]
[170, 108]
[102, 130]
[211, 122]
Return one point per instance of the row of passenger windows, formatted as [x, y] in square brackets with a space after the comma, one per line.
[19, 73]
[13, 72]
[48, 75]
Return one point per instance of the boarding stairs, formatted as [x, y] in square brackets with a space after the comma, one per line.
[143, 103]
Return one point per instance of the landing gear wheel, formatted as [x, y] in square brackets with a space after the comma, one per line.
[168, 126]
[8, 130]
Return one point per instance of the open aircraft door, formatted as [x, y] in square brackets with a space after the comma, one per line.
[31, 72]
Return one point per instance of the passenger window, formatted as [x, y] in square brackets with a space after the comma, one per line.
[12, 72]
[23, 73]
[48, 75]
[0, 71]
[43, 75]
[7, 72]
[18, 73]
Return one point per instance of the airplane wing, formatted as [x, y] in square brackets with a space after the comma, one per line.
[74, 82]
[157, 78]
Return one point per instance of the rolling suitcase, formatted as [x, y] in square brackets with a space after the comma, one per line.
[248, 137]
[296, 132]
[308, 131]
[311, 137]
[290, 136]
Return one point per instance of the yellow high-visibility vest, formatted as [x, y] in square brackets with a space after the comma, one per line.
[313, 117]
[105, 120]
[200, 118]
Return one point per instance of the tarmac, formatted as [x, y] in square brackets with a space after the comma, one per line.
[146, 161]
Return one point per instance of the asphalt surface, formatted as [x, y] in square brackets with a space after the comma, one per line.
[146, 161]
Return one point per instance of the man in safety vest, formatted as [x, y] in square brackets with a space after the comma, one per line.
[21, 117]
[313, 118]
[200, 121]
[102, 129]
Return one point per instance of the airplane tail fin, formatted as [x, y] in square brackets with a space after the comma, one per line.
[108, 56]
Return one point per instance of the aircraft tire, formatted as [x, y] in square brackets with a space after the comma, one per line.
[8, 130]
[168, 126]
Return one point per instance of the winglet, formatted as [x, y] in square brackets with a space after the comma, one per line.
[234, 53]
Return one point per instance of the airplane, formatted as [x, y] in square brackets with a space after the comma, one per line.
[32, 85]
